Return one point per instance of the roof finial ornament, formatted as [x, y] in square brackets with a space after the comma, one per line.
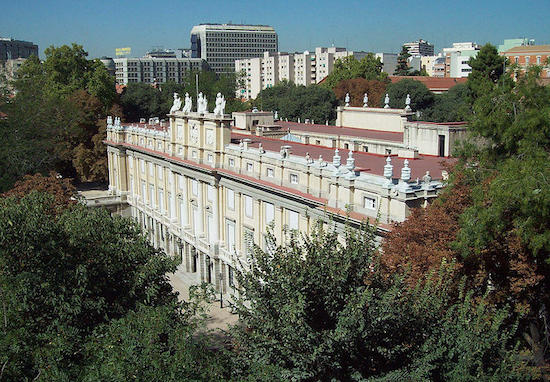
[387, 101]
[365, 100]
[388, 172]
[406, 171]
[350, 163]
[346, 100]
[408, 103]
[336, 158]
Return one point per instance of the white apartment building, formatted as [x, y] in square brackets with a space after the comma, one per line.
[303, 68]
[221, 44]
[420, 48]
[457, 57]
[154, 69]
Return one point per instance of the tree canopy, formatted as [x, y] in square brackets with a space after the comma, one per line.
[313, 102]
[402, 68]
[357, 88]
[54, 120]
[347, 68]
[421, 97]
[141, 100]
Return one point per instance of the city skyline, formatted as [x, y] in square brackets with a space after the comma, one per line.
[101, 27]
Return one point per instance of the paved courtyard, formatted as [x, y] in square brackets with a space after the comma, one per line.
[218, 318]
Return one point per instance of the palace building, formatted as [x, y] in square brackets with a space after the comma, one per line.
[206, 186]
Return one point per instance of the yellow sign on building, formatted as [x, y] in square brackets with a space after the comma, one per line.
[123, 51]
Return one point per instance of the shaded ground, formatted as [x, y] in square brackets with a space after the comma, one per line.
[218, 318]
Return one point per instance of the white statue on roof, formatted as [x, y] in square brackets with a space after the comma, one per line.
[365, 100]
[408, 103]
[346, 100]
[177, 103]
[188, 104]
[202, 104]
[387, 101]
[220, 105]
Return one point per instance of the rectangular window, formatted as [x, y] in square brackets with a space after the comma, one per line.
[248, 241]
[211, 227]
[142, 166]
[180, 182]
[183, 217]
[230, 235]
[151, 169]
[270, 172]
[231, 162]
[293, 179]
[210, 193]
[195, 187]
[143, 190]
[249, 167]
[151, 195]
[248, 206]
[293, 219]
[161, 200]
[196, 220]
[269, 212]
[180, 131]
[159, 170]
[366, 149]
[369, 203]
[131, 185]
[230, 199]
[538, 60]
[171, 210]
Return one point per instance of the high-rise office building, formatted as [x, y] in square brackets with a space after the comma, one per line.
[221, 44]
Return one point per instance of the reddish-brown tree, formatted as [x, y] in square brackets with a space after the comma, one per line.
[62, 190]
[357, 87]
[423, 241]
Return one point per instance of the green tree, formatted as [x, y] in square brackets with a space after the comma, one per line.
[313, 102]
[487, 68]
[451, 106]
[321, 309]
[45, 129]
[62, 275]
[346, 68]
[141, 100]
[154, 344]
[402, 68]
[421, 97]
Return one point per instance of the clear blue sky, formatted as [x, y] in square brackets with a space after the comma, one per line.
[380, 26]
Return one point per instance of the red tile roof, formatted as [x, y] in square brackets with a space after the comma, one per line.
[433, 83]
[364, 162]
[343, 131]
